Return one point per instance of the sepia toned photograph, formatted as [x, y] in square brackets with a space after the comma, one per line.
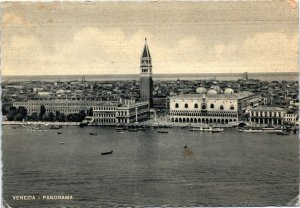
[150, 104]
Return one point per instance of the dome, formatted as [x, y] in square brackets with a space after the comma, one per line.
[212, 92]
[229, 91]
[201, 90]
[61, 91]
[216, 88]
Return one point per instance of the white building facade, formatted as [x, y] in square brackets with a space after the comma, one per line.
[62, 105]
[120, 113]
[210, 108]
[266, 115]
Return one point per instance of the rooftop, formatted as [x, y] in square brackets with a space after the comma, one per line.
[267, 108]
[239, 95]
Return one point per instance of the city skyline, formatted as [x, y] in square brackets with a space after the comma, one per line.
[185, 37]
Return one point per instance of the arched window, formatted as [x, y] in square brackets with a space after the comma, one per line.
[186, 105]
[196, 105]
[221, 107]
[212, 106]
[176, 105]
[203, 106]
[231, 107]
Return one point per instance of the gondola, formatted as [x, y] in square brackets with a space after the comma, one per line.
[107, 153]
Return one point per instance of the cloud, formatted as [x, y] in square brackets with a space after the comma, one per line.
[14, 20]
[110, 51]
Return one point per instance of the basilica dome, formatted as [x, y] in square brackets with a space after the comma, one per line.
[216, 88]
[61, 91]
[212, 92]
[228, 90]
[201, 90]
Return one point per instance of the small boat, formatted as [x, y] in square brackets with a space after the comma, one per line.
[61, 143]
[54, 127]
[59, 132]
[83, 125]
[123, 128]
[260, 130]
[142, 129]
[162, 132]
[93, 134]
[282, 133]
[133, 130]
[200, 128]
[216, 130]
[107, 153]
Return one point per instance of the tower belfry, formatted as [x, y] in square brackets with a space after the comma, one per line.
[146, 76]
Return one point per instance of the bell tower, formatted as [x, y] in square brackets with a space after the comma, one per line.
[146, 83]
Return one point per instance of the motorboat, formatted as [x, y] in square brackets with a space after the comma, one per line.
[201, 128]
[206, 129]
[216, 130]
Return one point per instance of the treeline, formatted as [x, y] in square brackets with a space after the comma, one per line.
[20, 114]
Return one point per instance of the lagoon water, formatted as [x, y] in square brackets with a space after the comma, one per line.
[148, 168]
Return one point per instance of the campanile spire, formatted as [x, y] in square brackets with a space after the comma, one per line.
[146, 75]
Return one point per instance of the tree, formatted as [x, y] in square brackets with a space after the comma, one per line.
[82, 115]
[18, 117]
[90, 112]
[45, 117]
[42, 111]
[60, 116]
[23, 111]
[11, 113]
[34, 116]
[6, 108]
[51, 116]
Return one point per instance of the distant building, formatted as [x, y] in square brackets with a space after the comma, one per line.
[267, 115]
[245, 76]
[291, 118]
[214, 107]
[64, 106]
[44, 93]
[146, 82]
[127, 111]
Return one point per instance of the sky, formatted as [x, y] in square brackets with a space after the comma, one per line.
[76, 38]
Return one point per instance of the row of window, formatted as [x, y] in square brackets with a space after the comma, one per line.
[54, 104]
[271, 114]
[105, 115]
[199, 120]
[105, 120]
[203, 115]
[104, 108]
[203, 107]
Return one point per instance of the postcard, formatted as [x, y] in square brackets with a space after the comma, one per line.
[150, 104]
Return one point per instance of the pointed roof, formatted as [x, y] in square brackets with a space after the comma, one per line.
[146, 52]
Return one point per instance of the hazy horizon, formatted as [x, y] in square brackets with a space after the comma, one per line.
[137, 74]
[77, 38]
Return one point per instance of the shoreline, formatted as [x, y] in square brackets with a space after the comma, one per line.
[150, 123]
